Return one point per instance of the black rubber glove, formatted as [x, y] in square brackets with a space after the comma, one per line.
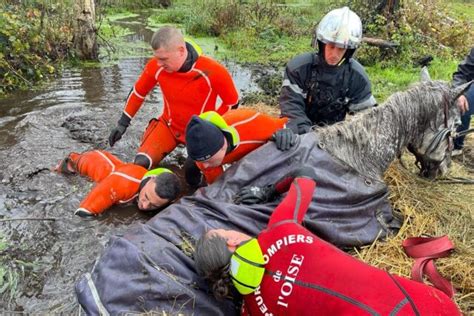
[255, 195]
[284, 138]
[117, 133]
[192, 173]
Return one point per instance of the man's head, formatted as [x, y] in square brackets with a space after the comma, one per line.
[338, 35]
[158, 191]
[205, 142]
[169, 48]
[212, 258]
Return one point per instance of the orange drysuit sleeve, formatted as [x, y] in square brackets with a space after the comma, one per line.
[145, 83]
[224, 86]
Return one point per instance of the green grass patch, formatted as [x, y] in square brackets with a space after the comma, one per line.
[8, 277]
[462, 8]
[247, 46]
[121, 15]
[390, 78]
[111, 31]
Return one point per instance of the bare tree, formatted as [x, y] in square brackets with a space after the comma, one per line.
[85, 36]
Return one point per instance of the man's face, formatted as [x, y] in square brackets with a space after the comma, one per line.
[232, 237]
[333, 54]
[171, 58]
[216, 159]
[148, 199]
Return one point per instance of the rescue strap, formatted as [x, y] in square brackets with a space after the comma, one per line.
[424, 250]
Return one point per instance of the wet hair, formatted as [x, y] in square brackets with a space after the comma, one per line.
[167, 186]
[166, 36]
[212, 259]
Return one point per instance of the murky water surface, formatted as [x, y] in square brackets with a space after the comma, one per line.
[48, 246]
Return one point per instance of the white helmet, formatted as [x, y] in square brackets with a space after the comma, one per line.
[340, 27]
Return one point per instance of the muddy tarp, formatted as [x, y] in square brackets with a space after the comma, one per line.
[150, 267]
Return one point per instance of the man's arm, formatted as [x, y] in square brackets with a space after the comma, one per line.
[145, 83]
[142, 87]
[257, 195]
[223, 84]
[296, 203]
[293, 95]
[465, 71]
[360, 89]
[211, 174]
[100, 198]
[114, 189]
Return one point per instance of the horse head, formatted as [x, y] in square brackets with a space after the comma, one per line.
[437, 128]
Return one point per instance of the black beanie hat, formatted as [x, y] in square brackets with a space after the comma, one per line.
[203, 139]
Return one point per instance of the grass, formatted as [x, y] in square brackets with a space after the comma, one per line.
[387, 80]
[462, 7]
[264, 48]
[8, 276]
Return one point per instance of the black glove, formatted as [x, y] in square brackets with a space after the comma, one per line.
[192, 173]
[255, 195]
[284, 138]
[117, 133]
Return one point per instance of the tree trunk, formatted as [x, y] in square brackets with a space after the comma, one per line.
[85, 37]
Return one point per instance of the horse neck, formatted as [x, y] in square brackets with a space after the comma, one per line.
[369, 142]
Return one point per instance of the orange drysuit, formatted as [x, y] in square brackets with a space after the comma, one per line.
[184, 94]
[116, 181]
[254, 130]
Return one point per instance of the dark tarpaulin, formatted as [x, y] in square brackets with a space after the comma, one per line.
[148, 269]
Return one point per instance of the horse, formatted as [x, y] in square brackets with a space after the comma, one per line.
[151, 267]
[423, 119]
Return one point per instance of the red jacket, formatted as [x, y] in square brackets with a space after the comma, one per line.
[254, 130]
[308, 276]
[116, 182]
[185, 93]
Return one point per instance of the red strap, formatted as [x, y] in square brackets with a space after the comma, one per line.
[424, 250]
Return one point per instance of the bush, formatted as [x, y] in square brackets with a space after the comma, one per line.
[32, 41]
[420, 28]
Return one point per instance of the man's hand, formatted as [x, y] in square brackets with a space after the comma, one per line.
[192, 174]
[116, 134]
[255, 195]
[284, 139]
[463, 104]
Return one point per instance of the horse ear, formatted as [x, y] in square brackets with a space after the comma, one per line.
[456, 92]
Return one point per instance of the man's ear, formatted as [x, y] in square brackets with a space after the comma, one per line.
[232, 244]
[182, 49]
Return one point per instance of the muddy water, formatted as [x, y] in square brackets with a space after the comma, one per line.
[37, 129]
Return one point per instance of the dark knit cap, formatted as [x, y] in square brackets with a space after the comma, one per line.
[203, 139]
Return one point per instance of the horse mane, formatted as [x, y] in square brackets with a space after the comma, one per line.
[371, 140]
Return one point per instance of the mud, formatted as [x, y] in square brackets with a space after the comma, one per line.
[76, 112]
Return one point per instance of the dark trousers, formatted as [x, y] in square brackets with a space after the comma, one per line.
[465, 118]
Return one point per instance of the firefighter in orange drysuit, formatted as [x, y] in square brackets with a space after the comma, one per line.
[190, 84]
[213, 140]
[118, 182]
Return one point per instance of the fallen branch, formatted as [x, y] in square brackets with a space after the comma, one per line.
[379, 42]
[28, 219]
[16, 73]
